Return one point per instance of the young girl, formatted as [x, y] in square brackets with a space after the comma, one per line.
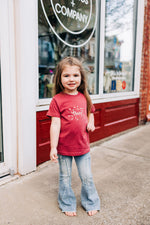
[72, 118]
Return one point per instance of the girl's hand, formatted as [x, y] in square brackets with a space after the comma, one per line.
[54, 136]
[90, 126]
[53, 155]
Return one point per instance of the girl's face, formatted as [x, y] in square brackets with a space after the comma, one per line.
[71, 79]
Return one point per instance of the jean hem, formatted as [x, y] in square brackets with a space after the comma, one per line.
[68, 210]
[91, 209]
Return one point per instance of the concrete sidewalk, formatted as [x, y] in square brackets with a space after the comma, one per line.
[121, 171]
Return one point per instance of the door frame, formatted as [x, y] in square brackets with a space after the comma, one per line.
[8, 87]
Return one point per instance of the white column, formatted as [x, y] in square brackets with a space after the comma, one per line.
[26, 35]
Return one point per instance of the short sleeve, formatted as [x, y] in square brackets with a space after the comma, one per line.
[53, 109]
[92, 109]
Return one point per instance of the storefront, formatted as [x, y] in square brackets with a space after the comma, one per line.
[105, 35]
[108, 45]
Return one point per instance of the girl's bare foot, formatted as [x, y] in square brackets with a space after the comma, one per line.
[92, 213]
[70, 213]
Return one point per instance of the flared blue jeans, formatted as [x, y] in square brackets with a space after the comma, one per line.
[89, 196]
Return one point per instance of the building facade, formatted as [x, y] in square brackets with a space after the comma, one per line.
[109, 37]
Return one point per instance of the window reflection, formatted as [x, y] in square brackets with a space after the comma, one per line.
[120, 20]
[52, 50]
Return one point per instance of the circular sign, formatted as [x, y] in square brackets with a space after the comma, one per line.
[73, 15]
[123, 85]
[73, 22]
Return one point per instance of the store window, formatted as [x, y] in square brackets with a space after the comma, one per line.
[119, 56]
[1, 138]
[67, 28]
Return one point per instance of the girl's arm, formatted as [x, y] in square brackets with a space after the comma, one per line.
[90, 126]
[54, 136]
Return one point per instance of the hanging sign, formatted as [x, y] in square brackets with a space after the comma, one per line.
[113, 85]
[73, 22]
[123, 85]
[118, 85]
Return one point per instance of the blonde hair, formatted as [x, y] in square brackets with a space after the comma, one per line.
[58, 87]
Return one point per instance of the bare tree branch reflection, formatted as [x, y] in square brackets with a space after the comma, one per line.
[118, 15]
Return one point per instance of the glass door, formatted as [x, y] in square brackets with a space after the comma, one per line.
[8, 124]
[1, 130]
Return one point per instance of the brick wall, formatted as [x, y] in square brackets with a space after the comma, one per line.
[145, 68]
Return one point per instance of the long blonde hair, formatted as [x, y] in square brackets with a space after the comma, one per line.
[58, 87]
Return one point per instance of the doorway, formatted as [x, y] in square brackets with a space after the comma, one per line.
[1, 124]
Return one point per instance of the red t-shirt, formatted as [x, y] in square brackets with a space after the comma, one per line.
[72, 110]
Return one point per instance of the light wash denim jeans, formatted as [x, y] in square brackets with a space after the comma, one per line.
[66, 198]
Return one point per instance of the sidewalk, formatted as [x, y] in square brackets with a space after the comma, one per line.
[121, 171]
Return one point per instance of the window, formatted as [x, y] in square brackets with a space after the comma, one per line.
[66, 28]
[120, 23]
